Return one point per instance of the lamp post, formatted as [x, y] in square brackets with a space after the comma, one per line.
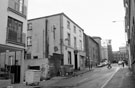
[117, 21]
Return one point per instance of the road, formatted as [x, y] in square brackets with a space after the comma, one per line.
[99, 78]
[93, 79]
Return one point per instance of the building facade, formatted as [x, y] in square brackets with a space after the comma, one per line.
[121, 54]
[13, 27]
[55, 38]
[92, 51]
[104, 52]
[110, 53]
[130, 30]
[104, 49]
[98, 40]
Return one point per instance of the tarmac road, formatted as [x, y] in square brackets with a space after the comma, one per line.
[93, 79]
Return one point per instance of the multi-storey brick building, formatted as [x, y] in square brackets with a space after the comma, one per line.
[110, 53]
[98, 40]
[92, 49]
[55, 38]
[130, 30]
[12, 38]
[104, 51]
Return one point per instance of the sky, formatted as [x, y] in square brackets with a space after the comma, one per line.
[94, 16]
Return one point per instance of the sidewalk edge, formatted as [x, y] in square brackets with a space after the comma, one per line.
[110, 78]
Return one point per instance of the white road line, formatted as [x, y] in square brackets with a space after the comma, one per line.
[110, 78]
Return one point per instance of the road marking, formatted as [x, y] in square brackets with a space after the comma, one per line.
[110, 78]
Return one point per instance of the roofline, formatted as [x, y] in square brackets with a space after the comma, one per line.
[97, 37]
[57, 15]
[44, 17]
[91, 38]
[72, 21]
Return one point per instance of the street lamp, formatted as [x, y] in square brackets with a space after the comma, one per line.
[117, 21]
[114, 21]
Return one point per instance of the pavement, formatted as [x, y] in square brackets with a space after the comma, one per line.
[123, 78]
[7, 83]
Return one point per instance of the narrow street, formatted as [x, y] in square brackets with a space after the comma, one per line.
[93, 79]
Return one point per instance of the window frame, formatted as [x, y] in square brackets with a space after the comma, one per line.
[29, 42]
[69, 57]
[75, 42]
[29, 26]
[74, 29]
[68, 24]
[81, 44]
[14, 30]
[69, 39]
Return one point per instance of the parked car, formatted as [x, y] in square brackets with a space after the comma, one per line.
[101, 65]
[106, 63]
[120, 62]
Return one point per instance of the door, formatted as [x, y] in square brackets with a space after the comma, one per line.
[15, 70]
[76, 62]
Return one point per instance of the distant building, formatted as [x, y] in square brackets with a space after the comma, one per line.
[130, 31]
[55, 40]
[117, 56]
[98, 40]
[92, 51]
[104, 52]
[123, 49]
[13, 25]
[110, 54]
[121, 54]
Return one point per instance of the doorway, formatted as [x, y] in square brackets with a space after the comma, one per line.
[76, 62]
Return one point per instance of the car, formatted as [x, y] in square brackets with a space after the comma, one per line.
[105, 63]
[120, 62]
[101, 65]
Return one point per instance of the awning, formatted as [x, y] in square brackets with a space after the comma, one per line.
[3, 48]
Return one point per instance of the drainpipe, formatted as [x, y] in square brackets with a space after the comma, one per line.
[43, 45]
[47, 40]
[61, 33]
[61, 38]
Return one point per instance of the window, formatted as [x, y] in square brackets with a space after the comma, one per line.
[74, 29]
[54, 29]
[75, 42]
[35, 57]
[80, 44]
[29, 56]
[29, 41]
[69, 58]
[14, 33]
[80, 33]
[69, 39]
[19, 6]
[11, 61]
[29, 26]
[19, 35]
[68, 24]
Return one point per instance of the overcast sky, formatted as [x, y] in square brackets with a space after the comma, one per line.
[94, 16]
